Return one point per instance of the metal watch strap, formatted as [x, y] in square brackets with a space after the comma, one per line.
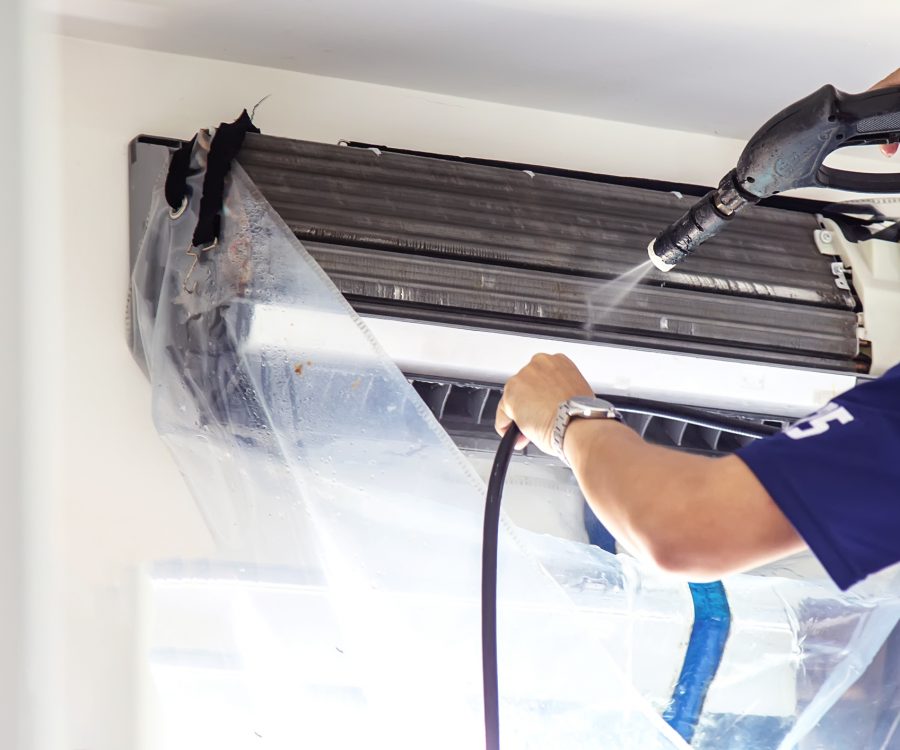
[578, 408]
[559, 431]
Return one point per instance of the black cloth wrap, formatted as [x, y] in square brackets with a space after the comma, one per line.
[226, 143]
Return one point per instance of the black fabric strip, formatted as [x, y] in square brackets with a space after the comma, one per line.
[176, 179]
[225, 145]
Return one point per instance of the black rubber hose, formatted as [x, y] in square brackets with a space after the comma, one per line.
[489, 588]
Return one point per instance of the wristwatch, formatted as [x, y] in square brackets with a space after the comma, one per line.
[582, 407]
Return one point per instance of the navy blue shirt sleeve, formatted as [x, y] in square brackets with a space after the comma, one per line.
[836, 476]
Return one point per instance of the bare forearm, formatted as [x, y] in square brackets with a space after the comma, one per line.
[697, 517]
[623, 481]
[700, 517]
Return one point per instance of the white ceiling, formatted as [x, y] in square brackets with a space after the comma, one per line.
[694, 65]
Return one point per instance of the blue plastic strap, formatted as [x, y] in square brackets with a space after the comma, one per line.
[712, 623]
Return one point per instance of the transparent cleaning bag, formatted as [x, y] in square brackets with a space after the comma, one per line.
[342, 609]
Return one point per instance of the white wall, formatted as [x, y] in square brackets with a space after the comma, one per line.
[692, 66]
[12, 589]
[123, 501]
[30, 372]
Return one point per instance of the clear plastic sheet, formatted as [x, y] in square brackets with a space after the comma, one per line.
[343, 608]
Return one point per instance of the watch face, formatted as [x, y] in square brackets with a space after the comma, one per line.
[590, 405]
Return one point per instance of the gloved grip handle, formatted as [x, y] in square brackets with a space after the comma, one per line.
[870, 117]
[875, 111]
[790, 150]
[889, 122]
[786, 153]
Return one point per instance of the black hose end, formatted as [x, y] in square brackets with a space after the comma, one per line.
[705, 219]
[685, 235]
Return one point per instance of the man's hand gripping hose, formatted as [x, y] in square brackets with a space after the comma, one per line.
[531, 397]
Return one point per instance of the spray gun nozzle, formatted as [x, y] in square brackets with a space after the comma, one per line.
[656, 260]
[703, 220]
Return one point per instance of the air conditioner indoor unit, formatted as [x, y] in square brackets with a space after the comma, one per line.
[326, 375]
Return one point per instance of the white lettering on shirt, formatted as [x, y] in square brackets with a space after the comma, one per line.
[820, 422]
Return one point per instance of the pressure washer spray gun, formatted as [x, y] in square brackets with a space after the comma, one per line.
[789, 152]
